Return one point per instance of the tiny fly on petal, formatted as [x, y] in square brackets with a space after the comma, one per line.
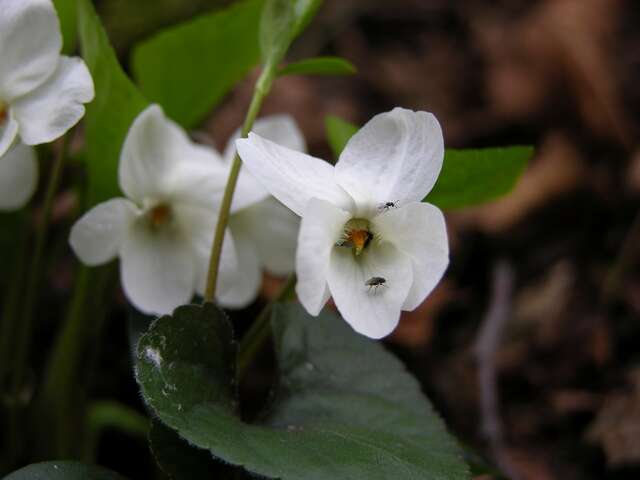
[375, 283]
[388, 205]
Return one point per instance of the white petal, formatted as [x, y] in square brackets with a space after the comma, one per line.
[49, 111]
[30, 43]
[320, 229]
[237, 279]
[157, 269]
[281, 129]
[97, 236]
[371, 311]
[273, 230]
[395, 157]
[18, 177]
[159, 161]
[292, 177]
[419, 230]
[8, 133]
[239, 287]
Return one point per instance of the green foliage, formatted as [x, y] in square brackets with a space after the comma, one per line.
[66, 10]
[189, 68]
[319, 66]
[331, 411]
[305, 10]
[473, 176]
[116, 105]
[338, 133]
[276, 30]
[468, 176]
[282, 21]
[63, 470]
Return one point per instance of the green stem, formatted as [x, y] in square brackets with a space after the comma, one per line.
[263, 85]
[25, 329]
[259, 332]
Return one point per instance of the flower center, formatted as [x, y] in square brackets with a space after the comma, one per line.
[356, 235]
[159, 215]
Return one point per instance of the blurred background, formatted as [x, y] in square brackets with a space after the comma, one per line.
[530, 347]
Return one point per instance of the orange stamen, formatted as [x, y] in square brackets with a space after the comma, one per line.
[159, 215]
[359, 239]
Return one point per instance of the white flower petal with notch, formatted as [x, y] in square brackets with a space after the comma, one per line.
[373, 311]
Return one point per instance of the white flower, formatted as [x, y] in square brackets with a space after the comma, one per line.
[365, 238]
[41, 92]
[163, 231]
[18, 176]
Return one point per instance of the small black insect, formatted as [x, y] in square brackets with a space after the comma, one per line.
[388, 205]
[375, 283]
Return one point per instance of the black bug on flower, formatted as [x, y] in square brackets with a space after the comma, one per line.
[375, 283]
[388, 205]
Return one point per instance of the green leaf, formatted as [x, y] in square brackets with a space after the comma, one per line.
[473, 176]
[67, 14]
[305, 10]
[178, 459]
[468, 176]
[63, 470]
[338, 133]
[189, 68]
[319, 66]
[343, 405]
[282, 21]
[116, 105]
[276, 29]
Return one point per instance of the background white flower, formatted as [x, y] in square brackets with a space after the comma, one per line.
[41, 92]
[18, 176]
[364, 218]
[265, 232]
[163, 230]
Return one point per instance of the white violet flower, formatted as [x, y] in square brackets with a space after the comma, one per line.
[41, 92]
[365, 237]
[18, 176]
[163, 230]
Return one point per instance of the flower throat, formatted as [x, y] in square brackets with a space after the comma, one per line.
[356, 235]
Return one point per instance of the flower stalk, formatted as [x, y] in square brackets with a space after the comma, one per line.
[259, 331]
[262, 88]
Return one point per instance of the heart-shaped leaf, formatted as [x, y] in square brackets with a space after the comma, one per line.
[63, 470]
[344, 407]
